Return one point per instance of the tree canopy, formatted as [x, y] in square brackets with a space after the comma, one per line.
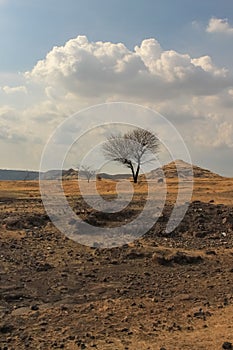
[87, 172]
[132, 149]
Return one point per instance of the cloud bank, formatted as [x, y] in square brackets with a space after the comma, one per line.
[93, 69]
[192, 92]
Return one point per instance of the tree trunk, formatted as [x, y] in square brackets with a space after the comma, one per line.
[135, 176]
[133, 173]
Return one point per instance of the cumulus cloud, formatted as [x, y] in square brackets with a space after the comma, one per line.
[183, 88]
[219, 25]
[92, 69]
[205, 62]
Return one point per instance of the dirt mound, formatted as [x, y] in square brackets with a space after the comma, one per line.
[186, 170]
[26, 221]
[70, 174]
[180, 258]
[201, 220]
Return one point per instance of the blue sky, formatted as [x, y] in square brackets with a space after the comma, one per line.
[29, 29]
[182, 67]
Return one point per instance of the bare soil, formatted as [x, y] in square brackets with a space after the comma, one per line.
[163, 291]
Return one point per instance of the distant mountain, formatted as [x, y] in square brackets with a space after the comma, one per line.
[72, 174]
[15, 175]
[168, 171]
[51, 175]
[186, 170]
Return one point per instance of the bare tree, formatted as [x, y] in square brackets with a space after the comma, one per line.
[132, 149]
[87, 172]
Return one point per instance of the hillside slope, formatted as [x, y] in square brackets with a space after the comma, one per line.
[185, 170]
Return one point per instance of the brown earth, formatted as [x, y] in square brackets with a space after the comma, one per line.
[163, 291]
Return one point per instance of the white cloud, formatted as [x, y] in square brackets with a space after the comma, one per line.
[192, 92]
[9, 126]
[224, 135]
[16, 89]
[205, 62]
[92, 69]
[219, 25]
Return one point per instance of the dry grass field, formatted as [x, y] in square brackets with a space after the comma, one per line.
[205, 189]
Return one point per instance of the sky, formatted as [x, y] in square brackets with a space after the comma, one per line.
[59, 57]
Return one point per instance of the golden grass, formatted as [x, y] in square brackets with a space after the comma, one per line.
[220, 190]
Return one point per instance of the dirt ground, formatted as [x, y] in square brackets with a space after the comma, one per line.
[163, 291]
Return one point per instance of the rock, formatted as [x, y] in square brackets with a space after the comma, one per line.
[125, 329]
[135, 255]
[183, 259]
[199, 313]
[13, 222]
[44, 267]
[227, 345]
[6, 328]
[35, 307]
[179, 258]
[211, 252]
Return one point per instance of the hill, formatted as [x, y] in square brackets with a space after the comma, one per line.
[17, 175]
[169, 171]
[186, 170]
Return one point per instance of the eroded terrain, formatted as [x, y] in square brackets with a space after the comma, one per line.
[164, 291]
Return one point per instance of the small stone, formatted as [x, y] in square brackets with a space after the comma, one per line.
[125, 329]
[35, 307]
[6, 328]
[72, 337]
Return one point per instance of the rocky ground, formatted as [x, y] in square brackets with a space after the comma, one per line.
[163, 291]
